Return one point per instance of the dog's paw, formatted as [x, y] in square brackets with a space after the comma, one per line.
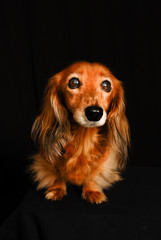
[94, 196]
[55, 194]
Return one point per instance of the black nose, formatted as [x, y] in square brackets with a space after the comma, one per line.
[94, 113]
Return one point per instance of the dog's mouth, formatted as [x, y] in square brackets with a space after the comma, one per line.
[92, 116]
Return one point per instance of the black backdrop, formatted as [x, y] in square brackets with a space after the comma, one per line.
[40, 38]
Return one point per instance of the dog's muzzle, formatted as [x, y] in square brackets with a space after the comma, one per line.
[94, 113]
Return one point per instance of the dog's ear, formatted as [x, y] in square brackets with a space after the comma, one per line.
[52, 127]
[119, 125]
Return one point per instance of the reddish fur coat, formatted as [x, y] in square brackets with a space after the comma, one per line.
[70, 150]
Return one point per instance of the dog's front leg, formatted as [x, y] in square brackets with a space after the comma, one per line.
[93, 193]
[57, 191]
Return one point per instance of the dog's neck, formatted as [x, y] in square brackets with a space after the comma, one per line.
[82, 134]
[88, 138]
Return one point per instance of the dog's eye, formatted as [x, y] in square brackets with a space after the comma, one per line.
[106, 86]
[74, 83]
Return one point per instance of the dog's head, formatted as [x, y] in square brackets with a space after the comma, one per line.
[87, 92]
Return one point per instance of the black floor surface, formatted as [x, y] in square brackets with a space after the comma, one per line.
[132, 212]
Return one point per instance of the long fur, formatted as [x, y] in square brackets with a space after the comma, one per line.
[69, 152]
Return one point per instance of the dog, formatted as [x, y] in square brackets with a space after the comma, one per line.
[82, 131]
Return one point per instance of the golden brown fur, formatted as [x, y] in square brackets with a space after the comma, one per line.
[71, 148]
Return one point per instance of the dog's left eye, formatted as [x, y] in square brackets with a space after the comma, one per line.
[74, 83]
[106, 86]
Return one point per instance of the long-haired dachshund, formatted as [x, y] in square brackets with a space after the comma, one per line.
[83, 132]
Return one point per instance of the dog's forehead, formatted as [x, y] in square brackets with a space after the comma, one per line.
[90, 69]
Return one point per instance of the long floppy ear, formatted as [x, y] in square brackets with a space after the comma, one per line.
[119, 125]
[52, 127]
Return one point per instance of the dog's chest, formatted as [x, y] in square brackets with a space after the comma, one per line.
[81, 157]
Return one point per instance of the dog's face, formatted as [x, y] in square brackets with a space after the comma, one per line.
[91, 94]
[88, 89]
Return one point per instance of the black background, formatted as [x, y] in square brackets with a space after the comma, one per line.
[40, 38]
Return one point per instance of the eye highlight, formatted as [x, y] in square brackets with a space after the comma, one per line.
[106, 86]
[74, 83]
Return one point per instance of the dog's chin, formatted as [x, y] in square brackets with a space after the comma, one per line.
[90, 124]
[84, 122]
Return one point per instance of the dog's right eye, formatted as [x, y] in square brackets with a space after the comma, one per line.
[74, 83]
